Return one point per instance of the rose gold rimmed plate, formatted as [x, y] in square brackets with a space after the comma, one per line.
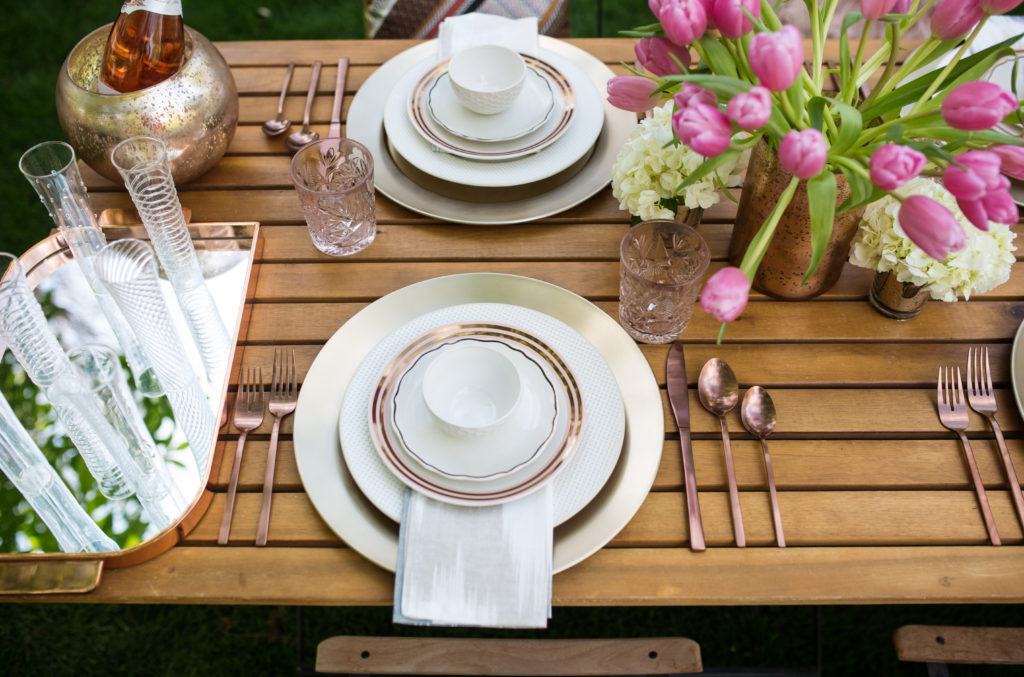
[551, 458]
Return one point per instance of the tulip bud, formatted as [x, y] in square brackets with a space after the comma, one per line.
[978, 176]
[632, 93]
[803, 153]
[750, 109]
[729, 17]
[975, 212]
[725, 294]
[999, 6]
[876, 9]
[655, 6]
[1012, 160]
[777, 58]
[690, 94]
[953, 19]
[901, 7]
[931, 227]
[683, 20]
[892, 165]
[703, 128]
[1000, 207]
[655, 55]
[977, 105]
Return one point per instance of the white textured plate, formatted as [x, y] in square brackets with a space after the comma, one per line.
[337, 497]
[1017, 368]
[365, 124]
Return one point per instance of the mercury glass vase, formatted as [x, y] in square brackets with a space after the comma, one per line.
[24, 329]
[52, 170]
[142, 162]
[27, 468]
[156, 490]
[128, 269]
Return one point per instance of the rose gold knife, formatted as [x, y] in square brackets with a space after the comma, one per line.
[675, 380]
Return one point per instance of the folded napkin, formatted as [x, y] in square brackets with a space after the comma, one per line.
[487, 566]
[468, 30]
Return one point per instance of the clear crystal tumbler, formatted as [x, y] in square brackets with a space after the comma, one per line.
[128, 269]
[661, 266]
[142, 162]
[334, 179]
[27, 468]
[51, 169]
[24, 329]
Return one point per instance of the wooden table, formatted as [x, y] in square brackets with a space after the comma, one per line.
[875, 496]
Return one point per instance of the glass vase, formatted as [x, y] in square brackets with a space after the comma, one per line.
[128, 269]
[40, 485]
[24, 329]
[142, 162]
[52, 170]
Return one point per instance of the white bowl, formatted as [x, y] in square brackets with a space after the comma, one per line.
[487, 78]
[471, 390]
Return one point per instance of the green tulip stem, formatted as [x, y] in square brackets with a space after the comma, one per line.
[937, 82]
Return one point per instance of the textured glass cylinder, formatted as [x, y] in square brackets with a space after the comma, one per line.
[51, 169]
[142, 162]
[128, 269]
[27, 468]
[24, 329]
[156, 490]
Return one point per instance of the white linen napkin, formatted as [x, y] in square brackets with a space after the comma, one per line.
[476, 28]
[475, 566]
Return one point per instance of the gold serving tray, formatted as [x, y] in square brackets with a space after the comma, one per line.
[42, 573]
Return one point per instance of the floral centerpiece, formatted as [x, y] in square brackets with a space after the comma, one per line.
[831, 145]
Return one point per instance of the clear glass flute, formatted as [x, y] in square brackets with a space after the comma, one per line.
[128, 269]
[24, 329]
[142, 162]
[156, 489]
[51, 169]
[27, 468]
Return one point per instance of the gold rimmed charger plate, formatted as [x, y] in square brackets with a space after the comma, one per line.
[344, 508]
[473, 493]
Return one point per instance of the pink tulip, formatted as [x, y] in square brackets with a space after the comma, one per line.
[1012, 160]
[977, 105]
[1000, 207]
[690, 94]
[999, 6]
[632, 93]
[803, 153]
[777, 58]
[655, 6]
[955, 18]
[729, 17]
[725, 294]
[683, 20]
[874, 10]
[703, 128]
[901, 7]
[978, 177]
[750, 109]
[892, 165]
[975, 212]
[931, 227]
[655, 55]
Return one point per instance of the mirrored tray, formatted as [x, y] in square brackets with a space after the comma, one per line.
[30, 561]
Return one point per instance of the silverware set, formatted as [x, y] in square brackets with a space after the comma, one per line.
[248, 415]
[279, 124]
[952, 409]
[718, 391]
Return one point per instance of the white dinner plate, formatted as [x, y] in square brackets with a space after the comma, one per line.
[365, 124]
[335, 494]
[1017, 368]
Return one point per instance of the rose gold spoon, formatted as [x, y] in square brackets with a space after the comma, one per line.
[719, 393]
[758, 415]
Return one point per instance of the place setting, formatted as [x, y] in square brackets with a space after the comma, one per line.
[490, 105]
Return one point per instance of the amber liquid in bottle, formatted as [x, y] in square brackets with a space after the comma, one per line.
[144, 48]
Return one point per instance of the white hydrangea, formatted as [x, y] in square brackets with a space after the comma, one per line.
[983, 264]
[652, 163]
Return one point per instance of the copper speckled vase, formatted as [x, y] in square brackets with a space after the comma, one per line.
[782, 270]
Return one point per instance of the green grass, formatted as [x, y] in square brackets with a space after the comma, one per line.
[223, 640]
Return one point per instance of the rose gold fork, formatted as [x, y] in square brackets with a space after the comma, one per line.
[982, 397]
[284, 393]
[248, 416]
[953, 415]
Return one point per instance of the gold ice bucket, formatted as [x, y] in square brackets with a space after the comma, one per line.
[195, 111]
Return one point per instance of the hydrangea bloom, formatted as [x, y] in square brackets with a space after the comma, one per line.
[652, 163]
[881, 245]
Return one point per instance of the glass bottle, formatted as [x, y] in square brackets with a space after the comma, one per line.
[146, 46]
